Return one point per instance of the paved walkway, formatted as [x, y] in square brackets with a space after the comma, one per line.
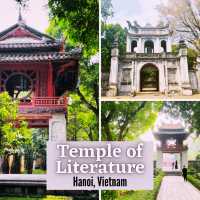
[155, 96]
[174, 188]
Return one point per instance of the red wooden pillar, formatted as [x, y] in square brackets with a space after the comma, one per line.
[50, 80]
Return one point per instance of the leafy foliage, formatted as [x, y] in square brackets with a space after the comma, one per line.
[194, 181]
[36, 149]
[39, 139]
[110, 31]
[184, 19]
[128, 120]
[78, 20]
[136, 195]
[86, 94]
[82, 123]
[17, 138]
[12, 139]
[198, 157]
[189, 111]
[192, 55]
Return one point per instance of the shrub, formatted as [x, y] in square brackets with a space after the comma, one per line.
[194, 181]
[191, 171]
[198, 176]
[109, 194]
[144, 194]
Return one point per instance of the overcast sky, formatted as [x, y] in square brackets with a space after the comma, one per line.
[141, 10]
[36, 15]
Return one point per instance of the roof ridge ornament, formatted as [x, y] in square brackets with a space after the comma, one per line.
[20, 14]
[20, 19]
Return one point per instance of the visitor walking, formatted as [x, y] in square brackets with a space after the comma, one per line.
[176, 165]
[184, 173]
[172, 165]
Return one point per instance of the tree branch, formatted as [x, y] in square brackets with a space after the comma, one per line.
[87, 103]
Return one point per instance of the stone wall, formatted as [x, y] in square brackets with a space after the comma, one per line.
[104, 83]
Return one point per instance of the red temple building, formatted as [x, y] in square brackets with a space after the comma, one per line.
[172, 148]
[36, 70]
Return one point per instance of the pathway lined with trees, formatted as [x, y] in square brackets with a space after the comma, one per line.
[174, 187]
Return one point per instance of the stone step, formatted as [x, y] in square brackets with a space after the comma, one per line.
[34, 185]
[149, 92]
[173, 173]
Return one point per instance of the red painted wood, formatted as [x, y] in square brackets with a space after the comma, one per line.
[50, 102]
[176, 148]
[43, 97]
[50, 80]
[19, 32]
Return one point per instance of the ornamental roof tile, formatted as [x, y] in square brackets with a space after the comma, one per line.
[21, 43]
[43, 56]
[171, 129]
[27, 45]
[171, 126]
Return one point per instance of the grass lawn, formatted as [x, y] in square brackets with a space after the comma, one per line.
[49, 197]
[37, 171]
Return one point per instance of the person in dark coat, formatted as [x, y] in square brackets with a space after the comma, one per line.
[173, 165]
[184, 173]
[176, 164]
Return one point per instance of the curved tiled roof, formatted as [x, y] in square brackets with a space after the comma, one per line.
[27, 45]
[43, 56]
[14, 48]
[28, 28]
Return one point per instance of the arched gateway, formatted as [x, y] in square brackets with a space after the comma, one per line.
[171, 153]
[149, 78]
[148, 44]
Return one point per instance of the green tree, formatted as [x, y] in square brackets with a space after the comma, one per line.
[184, 19]
[198, 157]
[82, 124]
[127, 120]
[13, 137]
[88, 90]
[36, 149]
[78, 21]
[192, 55]
[188, 111]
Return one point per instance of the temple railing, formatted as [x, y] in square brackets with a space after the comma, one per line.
[45, 102]
[132, 55]
[177, 148]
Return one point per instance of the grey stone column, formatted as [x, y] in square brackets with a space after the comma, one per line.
[57, 128]
[113, 79]
[184, 159]
[185, 82]
[159, 159]
[128, 44]
[198, 73]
